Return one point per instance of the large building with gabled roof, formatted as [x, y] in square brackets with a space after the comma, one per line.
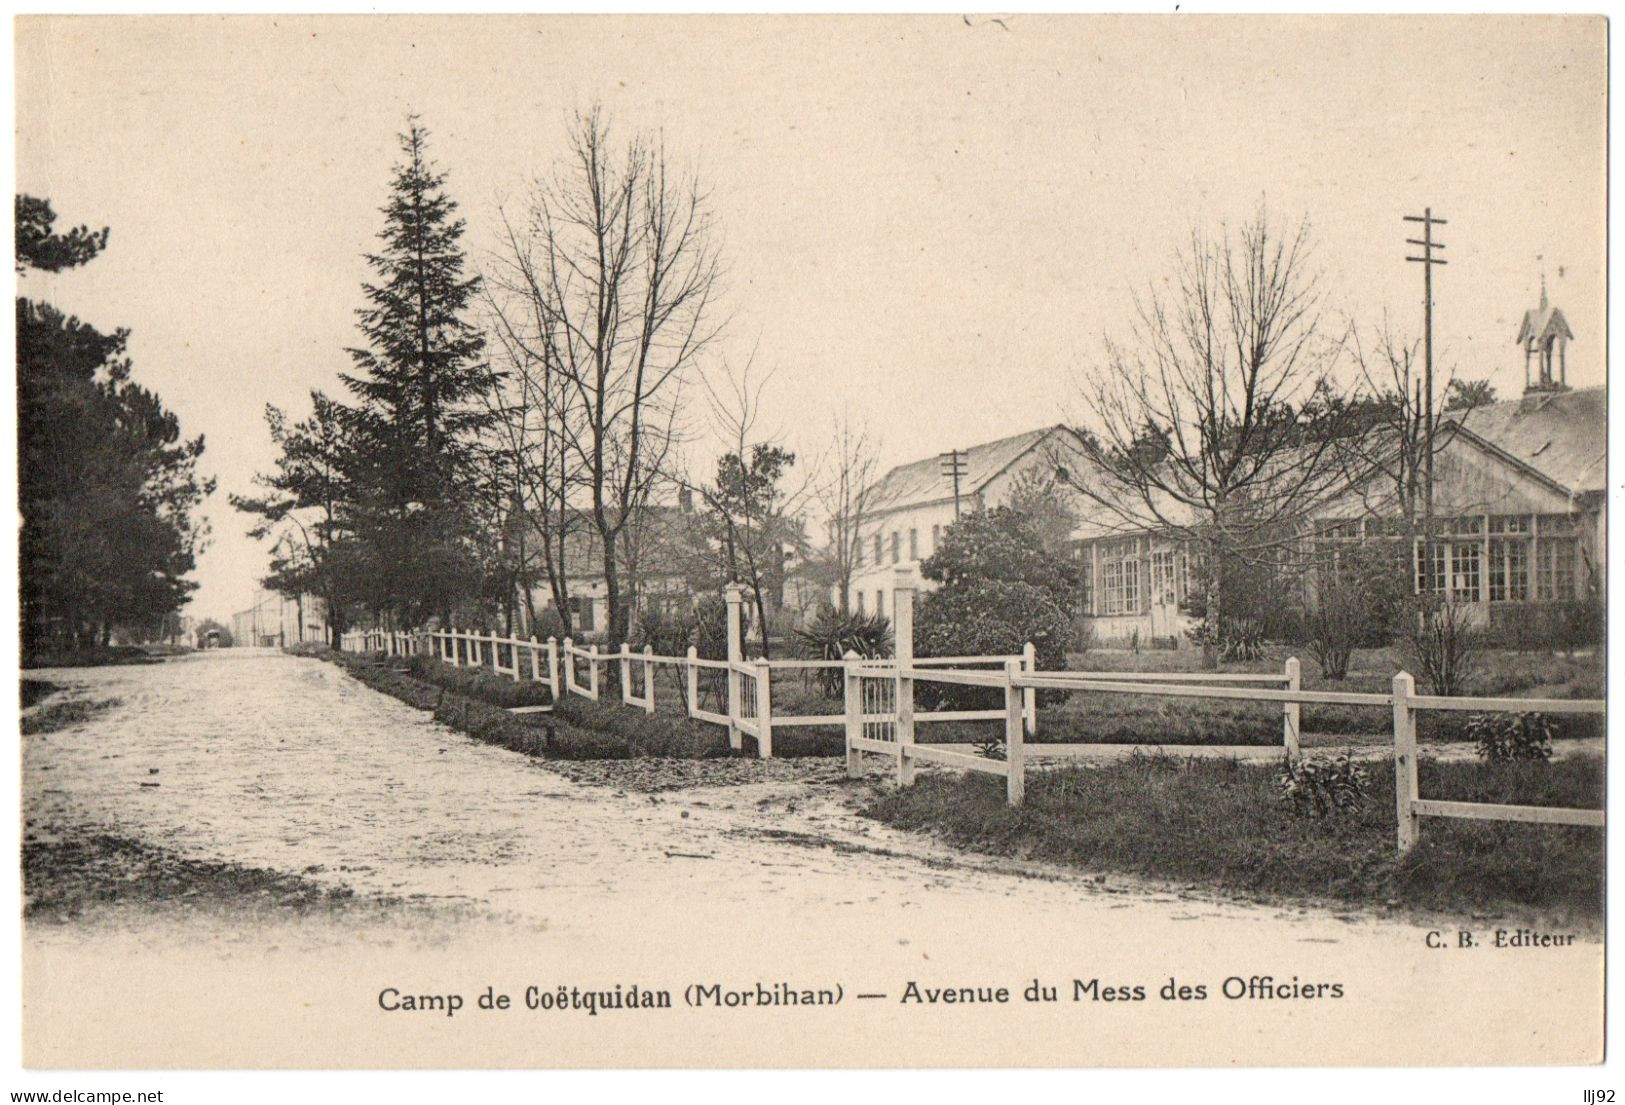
[907, 510]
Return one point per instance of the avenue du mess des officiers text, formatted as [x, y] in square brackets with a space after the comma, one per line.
[593, 1001]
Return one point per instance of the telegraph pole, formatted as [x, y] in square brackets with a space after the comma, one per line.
[952, 464]
[1427, 261]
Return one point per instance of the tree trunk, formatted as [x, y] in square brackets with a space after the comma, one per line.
[1210, 644]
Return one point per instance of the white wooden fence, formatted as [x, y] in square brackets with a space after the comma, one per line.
[879, 713]
[747, 706]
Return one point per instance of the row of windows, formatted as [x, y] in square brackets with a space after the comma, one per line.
[1511, 557]
[1130, 579]
[1508, 558]
[880, 543]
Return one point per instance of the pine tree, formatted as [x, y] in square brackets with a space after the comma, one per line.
[414, 426]
[307, 504]
[106, 484]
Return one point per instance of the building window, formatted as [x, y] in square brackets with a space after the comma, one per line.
[1509, 557]
[581, 609]
[936, 538]
[914, 544]
[879, 559]
[1464, 571]
[1432, 567]
[1086, 578]
[1555, 558]
[1164, 581]
[1120, 577]
[880, 603]
[861, 611]
[1509, 569]
[857, 553]
[896, 546]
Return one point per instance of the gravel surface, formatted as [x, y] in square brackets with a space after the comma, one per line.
[252, 845]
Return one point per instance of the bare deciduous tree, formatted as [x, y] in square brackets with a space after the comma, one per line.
[619, 268]
[1197, 431]
[752, 520]
[847, 497]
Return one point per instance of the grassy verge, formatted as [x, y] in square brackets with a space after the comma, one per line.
[64, 715]
[90, 657]
[476, 701]
[1219, 822]
[87, 871]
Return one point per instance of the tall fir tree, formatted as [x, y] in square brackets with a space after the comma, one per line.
[415, 424]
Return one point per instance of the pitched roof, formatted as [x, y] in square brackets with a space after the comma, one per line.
[1562, 435]
[1536, 323]
[922, 481]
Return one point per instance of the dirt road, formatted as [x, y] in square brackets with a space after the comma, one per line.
[271, 761]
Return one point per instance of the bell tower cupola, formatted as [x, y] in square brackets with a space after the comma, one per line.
[1545, 336]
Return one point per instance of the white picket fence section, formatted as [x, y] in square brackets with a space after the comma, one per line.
[880, 716]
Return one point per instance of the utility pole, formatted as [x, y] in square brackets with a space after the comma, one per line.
[952, 464]
[1427, 261]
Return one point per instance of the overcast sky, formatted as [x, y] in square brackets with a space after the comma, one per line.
[927, 223]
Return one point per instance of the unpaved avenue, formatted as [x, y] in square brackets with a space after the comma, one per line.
[272, 761]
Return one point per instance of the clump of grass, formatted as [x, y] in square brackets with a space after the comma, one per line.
[35, 691]
[1219, 822]
[65, 715]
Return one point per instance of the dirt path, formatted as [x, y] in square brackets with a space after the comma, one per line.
[268, 761]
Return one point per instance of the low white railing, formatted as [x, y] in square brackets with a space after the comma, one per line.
[1403, 701]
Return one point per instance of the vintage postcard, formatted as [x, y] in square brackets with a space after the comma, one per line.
[811, 542]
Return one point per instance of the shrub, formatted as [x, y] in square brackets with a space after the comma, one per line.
[711, 627]
[668, 633]
[1509, 737]
[1243, 639]
[1001, 590]
[1319, 786]
[1442, 642]
[548, 624]
[830, 635]
[988, 618]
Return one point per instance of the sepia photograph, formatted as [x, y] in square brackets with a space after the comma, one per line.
[805, 541]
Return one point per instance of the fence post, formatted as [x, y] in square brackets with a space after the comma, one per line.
[592, 663]
[1015, 755]
[648, 679]
[1405, 775]
[535, 659]
[626, 674]
[1029, 695]
[764, 710]
[734, 595]
[852, 685]
[692, 677]
[1293, 711]
[553, 667]
[903, 635]
[451, 647]
[569, 665]
[513, 656]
